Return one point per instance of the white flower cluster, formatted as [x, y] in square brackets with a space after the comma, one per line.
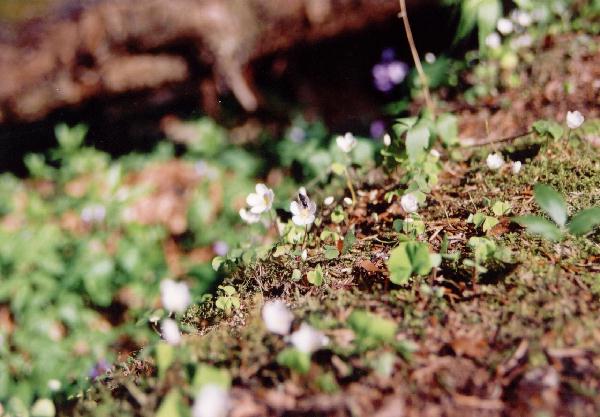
[278, 319]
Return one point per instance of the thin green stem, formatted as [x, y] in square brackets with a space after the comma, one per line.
[350, 186]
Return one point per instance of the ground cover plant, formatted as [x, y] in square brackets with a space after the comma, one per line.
[447, 268]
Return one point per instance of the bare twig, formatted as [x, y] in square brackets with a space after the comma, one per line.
[415, 55]
[474, 142]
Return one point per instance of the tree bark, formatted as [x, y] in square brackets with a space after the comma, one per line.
[108, 48]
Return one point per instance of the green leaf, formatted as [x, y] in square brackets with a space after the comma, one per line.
[417, 140]
[338, 169]
[349, 240]
[338, 215]
[210, 375]
[500, 208]
[217, 262]
[585, 221]
[315, 277]
[548, 128]
[331, 252]
[407, 259]
[295, 360]
[539, 226]
[403, 125]
[296, 275]
[489, 223]
[164, 357]
[447, 129]
[488, 13]
[170, 407]
[551, 202]
[371, 330]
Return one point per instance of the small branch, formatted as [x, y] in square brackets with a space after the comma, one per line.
[415, 55]
[474, 142]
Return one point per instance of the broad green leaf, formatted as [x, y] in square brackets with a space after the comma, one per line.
[210, 375]
[489, 223]
[164, 357]
[417, 140]
[447, 128]
[539, 226]
[296, 275]
[331, 252]
[170, 406]
[295, 360]
[338, 168]
[315, 277]
[403, 125]
[551, 202]
[407, 259]
[500, 208]
[371, 330]
[585, 221]
[548, 128]
[349, 240]
[488, 13]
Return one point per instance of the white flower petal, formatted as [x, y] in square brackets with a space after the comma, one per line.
[409, 203]
[295, 208]
[212, 401]
[277, 317]
[307, 339]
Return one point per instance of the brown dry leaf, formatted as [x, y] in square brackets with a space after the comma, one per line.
[369, 266]
[476, 348]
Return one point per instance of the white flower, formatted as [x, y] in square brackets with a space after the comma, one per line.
[307, 339]
[574, 119]
[304, 255]
[170, 332]
[387, 139]
[347, 201]
[175, 296]
[430, 57]
[249, 217]
[261, 200]
[516, 167]
[504, 26]
[277, 318]
[346, 143]
[494, 161]
[409, 203]
[435, 153]
[303, 212]
[54, 385]
[493, 40]
[212, 401]
[328, 200]
[522, 41]
[521, 17]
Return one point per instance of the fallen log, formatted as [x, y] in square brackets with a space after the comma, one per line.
[106, 48]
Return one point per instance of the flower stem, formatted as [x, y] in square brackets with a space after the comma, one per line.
[415, 55]
[350, 186]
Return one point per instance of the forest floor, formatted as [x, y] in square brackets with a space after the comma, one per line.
[521, 339]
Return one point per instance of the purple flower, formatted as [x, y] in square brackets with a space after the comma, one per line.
[389, 72]
[220, 248]
[377, 129]
[99, 369]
